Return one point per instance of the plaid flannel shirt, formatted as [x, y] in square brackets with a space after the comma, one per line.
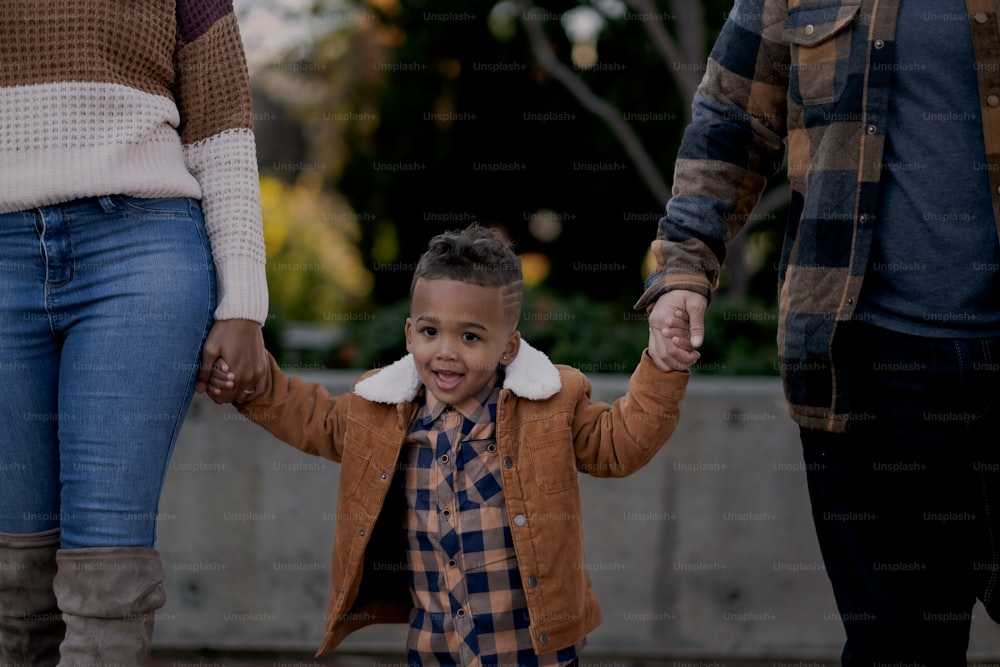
[469, 604]
[807, 81]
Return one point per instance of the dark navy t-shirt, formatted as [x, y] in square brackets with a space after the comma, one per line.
[933, 270]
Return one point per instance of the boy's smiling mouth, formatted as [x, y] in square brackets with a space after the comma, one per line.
[447, 379]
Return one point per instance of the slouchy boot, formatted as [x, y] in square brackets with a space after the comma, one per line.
[31, 626]
[108, 597]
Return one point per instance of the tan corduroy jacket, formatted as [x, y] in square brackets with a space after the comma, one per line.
[547, 431]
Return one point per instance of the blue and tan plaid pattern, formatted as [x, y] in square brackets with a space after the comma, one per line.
[469, 603]
[814, 74]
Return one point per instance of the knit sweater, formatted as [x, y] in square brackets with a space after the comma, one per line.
[148, 98]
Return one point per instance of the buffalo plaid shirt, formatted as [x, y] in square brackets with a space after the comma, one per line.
[814, 74]
[469, 603]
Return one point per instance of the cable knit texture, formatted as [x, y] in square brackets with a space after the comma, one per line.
[150, 99]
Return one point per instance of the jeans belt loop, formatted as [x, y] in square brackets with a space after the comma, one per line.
[107, 203]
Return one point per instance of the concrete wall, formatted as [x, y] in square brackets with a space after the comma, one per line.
[709, 550]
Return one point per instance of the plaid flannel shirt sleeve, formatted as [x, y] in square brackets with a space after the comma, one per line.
[734, 143]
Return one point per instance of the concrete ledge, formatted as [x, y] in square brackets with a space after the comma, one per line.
[709, 550]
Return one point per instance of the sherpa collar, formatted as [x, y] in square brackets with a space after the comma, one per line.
[530, 375]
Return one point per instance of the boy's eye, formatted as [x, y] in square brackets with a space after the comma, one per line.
[469, 337]
[429, 331]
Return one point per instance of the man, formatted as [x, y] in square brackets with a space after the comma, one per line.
[888, 114]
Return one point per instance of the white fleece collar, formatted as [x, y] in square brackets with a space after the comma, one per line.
[530, 375]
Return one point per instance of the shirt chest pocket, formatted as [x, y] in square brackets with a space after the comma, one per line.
[820, 41]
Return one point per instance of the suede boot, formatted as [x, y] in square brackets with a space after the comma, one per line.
[109, 597]
[31, 626]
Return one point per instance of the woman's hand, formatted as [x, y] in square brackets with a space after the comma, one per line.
[240, 344]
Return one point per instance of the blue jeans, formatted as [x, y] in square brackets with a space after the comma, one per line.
[104, 306]
[906, 503]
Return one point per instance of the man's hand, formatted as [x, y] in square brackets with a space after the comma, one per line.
[240, 344]
[677, 329]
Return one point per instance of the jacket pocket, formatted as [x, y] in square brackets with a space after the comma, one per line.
[820, 43]
[354, 465]
[553, 461]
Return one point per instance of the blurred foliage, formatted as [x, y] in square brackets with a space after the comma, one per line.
[593, 336]
[410, 117]
[314, 268]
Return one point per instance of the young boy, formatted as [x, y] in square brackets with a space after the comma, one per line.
[458, 508]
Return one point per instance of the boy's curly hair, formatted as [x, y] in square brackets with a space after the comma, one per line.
[479, 256]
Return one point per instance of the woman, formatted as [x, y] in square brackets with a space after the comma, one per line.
[131, 257]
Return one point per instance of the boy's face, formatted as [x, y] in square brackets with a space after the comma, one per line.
[458, 333]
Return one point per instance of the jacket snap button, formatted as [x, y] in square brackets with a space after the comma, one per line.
[532, 581]
[543, 639]
[809, 29]
[520, 520]
[508, 462]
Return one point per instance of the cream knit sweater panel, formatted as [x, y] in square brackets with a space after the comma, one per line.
[148, 98]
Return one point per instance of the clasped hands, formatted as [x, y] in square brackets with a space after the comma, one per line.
[677, 329]
[234, 366]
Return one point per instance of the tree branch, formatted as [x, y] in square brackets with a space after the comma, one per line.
[686, 78]
[611, 116]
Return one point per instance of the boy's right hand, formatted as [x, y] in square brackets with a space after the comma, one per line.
[223, 379]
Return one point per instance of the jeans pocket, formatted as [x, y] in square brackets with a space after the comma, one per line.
[156, 207]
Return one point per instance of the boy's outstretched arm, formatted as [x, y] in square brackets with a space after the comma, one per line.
[302, 414]
[618, 439]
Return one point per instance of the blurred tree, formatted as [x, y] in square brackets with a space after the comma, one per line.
[556, 123]
[314, 268]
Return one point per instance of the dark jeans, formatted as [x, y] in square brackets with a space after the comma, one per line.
[906, 502]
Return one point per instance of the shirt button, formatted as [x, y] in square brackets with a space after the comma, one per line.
[879, 43]
[460, 613]
[981, 17]
[508, 462]
[809, 29]
[452, 563]
[532, 581]
[444, 458]
[543, 639]
[491, 447]
[520, 519]
[993, 100]
[871, 129]
[446, 513]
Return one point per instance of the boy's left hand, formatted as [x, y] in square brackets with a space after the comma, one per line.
[676, 331]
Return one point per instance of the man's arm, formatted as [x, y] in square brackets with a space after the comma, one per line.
[734, 143]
